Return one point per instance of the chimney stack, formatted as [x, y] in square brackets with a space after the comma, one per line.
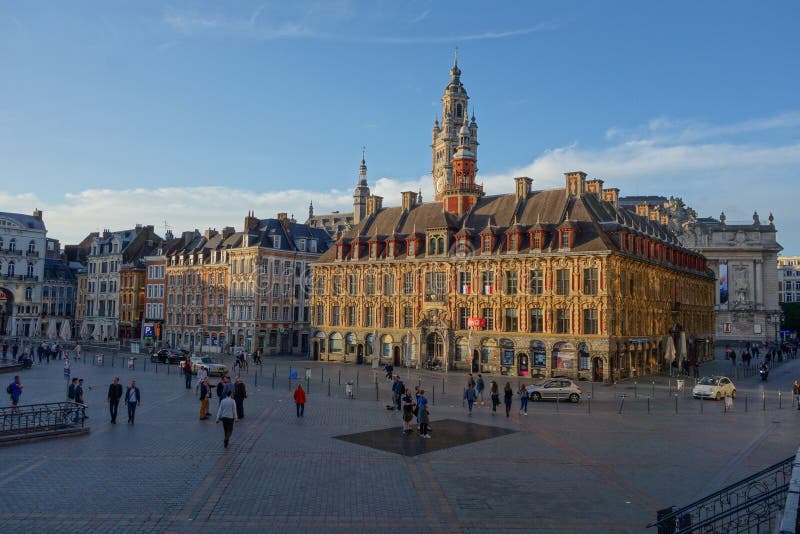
[409, 200]
[576, 183]
[596, 187]
[374, 204]
[37, 214]
[611, 195]
[250, 221]
[643, 210]
[523, 187]
[210, 233]
[227, 232]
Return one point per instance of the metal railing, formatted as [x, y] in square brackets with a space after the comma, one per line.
[32, 418]
[750, 505]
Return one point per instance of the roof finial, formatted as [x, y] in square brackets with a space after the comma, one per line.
[455, 58]
[363, 153]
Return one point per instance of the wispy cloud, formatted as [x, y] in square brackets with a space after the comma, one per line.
[261, 25]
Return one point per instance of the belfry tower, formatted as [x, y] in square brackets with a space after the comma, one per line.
[361, 191]
[455, 149]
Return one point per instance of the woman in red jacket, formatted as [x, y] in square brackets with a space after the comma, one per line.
[300, 400]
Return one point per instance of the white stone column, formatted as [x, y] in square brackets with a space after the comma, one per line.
[758, 287]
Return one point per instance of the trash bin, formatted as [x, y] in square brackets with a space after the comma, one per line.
[131, 363]
[348, 389]
[99, 359]
[293, 374]
[681, 384]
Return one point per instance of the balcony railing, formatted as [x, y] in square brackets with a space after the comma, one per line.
[11, 252]
[750, 505]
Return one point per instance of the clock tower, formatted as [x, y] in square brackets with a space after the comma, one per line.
[455, 149]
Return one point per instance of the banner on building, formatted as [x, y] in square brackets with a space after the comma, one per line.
[723, 283]
[476, 322]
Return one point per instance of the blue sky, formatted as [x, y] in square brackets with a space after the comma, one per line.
[113, 113]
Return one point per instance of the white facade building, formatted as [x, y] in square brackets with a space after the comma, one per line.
[789, 279]
[22, 254]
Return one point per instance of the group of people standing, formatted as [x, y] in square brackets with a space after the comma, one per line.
[231, 397]
[475, 392]
[411, 405]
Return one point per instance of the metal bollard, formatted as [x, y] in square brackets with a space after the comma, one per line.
[377, 393]
[589, 404]
[557, 399]
[357, 376]
[322, 375]
[648, 405]
[676, 403]
[763, 401]
[746, 399]
[145, 365]
[433, 394]
[635, 389]
[340, 377]
[701, 404]
[653, 389]
[621, 403]
[779, 400]
[255, 378]
[329, 387]
[273, 380]
[308, 385]
[168, 366]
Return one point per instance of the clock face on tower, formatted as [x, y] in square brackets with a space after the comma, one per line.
[438, 185]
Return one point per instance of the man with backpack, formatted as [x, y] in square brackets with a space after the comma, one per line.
[15, 390]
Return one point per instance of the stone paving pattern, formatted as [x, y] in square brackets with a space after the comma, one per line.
[560, 469]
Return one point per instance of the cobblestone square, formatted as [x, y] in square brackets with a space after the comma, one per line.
[343, 467]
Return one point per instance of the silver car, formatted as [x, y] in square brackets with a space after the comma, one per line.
[555, 389]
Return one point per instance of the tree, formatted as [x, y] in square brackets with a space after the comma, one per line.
[791, 316]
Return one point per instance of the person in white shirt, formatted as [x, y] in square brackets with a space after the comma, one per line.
[202, 374]
[227, 413]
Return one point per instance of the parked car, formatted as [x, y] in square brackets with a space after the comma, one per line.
[213, 367]
[554, 389]
[714, 387]
[170, 356]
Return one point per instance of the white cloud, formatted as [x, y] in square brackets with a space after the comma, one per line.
[735, 177]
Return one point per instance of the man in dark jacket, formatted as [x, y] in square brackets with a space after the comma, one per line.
[114, 395]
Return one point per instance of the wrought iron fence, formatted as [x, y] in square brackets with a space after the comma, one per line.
[750, 505]
[41, 417]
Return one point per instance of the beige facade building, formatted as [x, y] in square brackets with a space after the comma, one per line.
[557, 282]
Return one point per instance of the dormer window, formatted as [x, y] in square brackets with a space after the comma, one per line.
[373, 250]
[391, 249]
[301, 245]
[461, 246]
[276, 241]
[564, 240]
[312, 245]
[412, 247]
[536, 240]
[437, 244]
[486, 244]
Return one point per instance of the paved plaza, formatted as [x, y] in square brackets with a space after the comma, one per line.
[563, 468]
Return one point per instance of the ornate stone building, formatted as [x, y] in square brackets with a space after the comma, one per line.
[557, 282]
[197, 281]
[744, 259]
[22, 257]
[268, 307]
[789, 279]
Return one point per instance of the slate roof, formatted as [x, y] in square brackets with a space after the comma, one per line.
[27, 221]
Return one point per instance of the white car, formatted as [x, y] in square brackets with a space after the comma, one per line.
[212, 366]
[714, 387]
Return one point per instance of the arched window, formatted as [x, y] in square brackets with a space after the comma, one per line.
[459, 110]
[432, 246]
[440, 242]
[32, 246]
[12, 245]
[28, 293]
[30, 269]
[10, 270]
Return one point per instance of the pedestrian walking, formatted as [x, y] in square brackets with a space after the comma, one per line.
[79, 392]
[202, 374]
[728, 402]
[221, 389]
[508, 398]
[114, 396]
[187, 373]
[408, 411]
[300, 400]
[479, 387]
[67, 368]
[78, 351]
[134, 398]
[71, 390]
[523, 399]
[423, 415]
[239, 395]
[227, 414]
[14, 389]
[205, 394]
[470, 396]
[494, 392]
[796, 392]
[5, 349]
[14, 350]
